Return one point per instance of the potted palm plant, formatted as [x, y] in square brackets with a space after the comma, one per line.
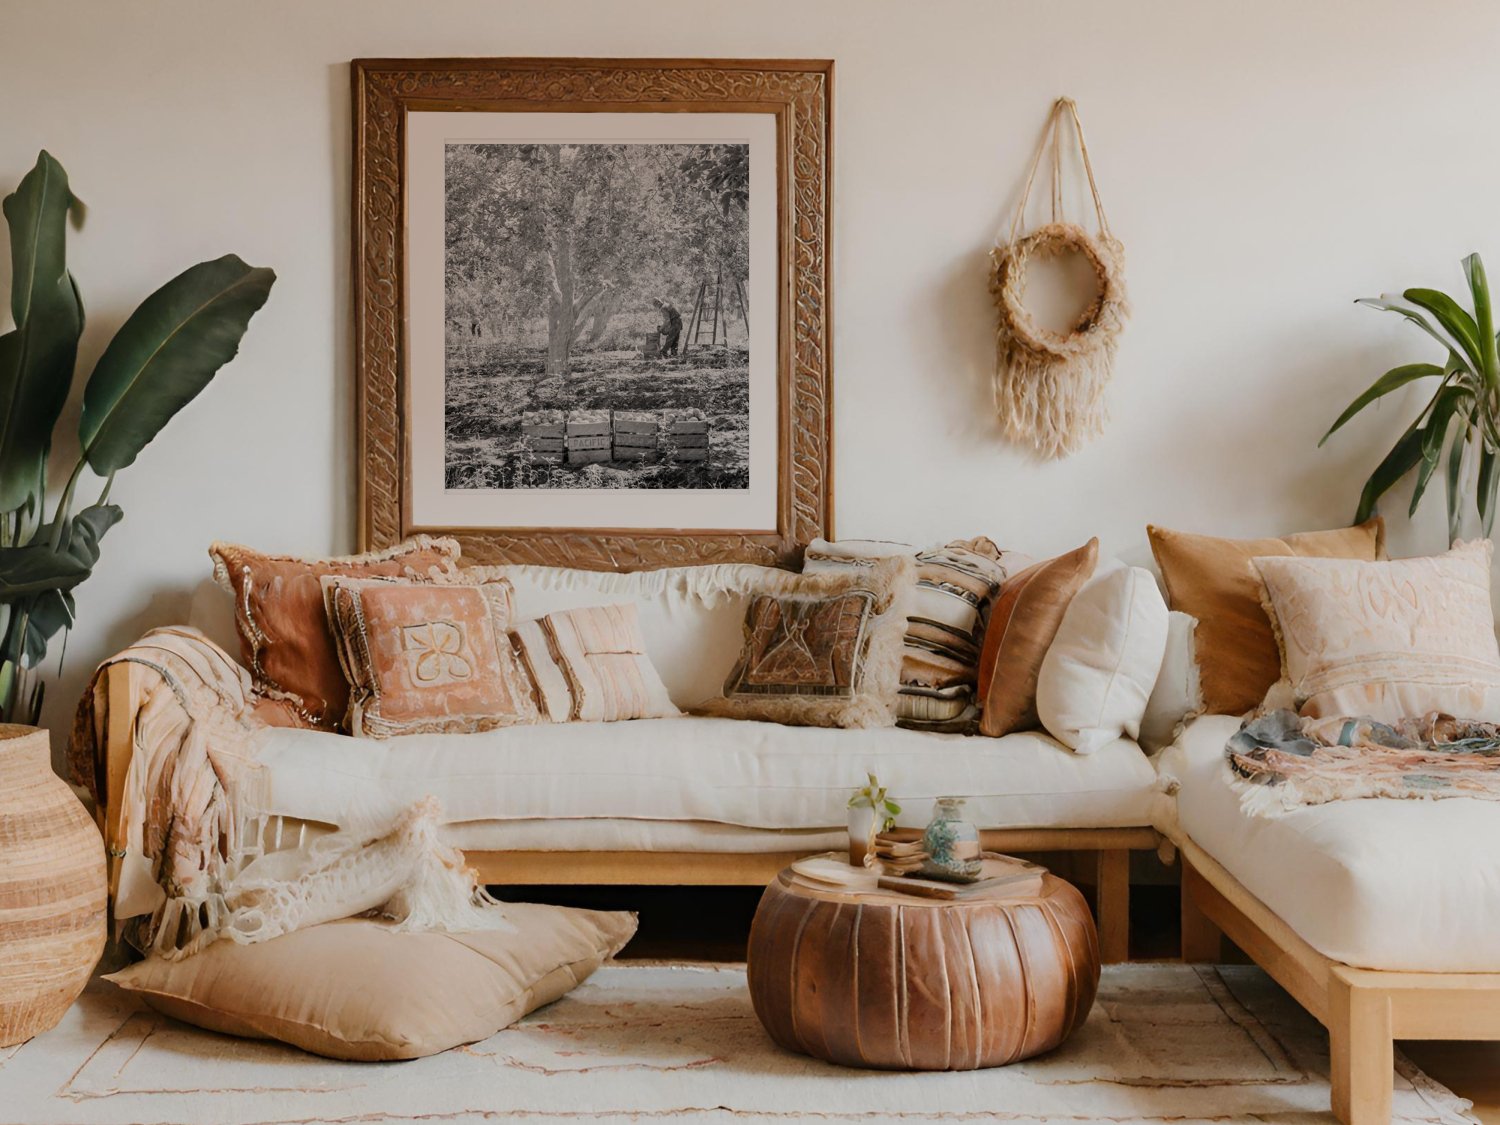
[1457, 426]
[163, 355]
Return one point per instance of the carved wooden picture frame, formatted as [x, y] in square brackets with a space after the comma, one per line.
[391, 101]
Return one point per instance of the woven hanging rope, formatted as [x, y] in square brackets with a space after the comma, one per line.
[1049, 386]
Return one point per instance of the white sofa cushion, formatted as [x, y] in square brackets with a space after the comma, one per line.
[1101, 665]
[731, 771]
[1378, 884]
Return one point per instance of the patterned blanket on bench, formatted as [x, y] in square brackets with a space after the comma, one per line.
[1280, 761]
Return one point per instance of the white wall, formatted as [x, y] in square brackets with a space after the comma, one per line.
[1264, 164]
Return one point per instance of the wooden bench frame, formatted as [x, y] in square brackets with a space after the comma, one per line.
[1364, 1010]
[1111, 846]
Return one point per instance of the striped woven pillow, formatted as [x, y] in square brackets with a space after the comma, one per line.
[956, 584]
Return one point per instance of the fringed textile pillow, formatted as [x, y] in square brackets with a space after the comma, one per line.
[955, 586]
[427, 657]
[590, 665]
[1386, 640]
[823, 649]
[285, 639]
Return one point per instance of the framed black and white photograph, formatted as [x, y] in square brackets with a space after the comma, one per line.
[608, 299]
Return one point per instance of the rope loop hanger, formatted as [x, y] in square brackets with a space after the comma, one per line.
[1049, 385]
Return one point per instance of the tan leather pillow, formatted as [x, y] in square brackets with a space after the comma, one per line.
[285, 640]
[357, 990]
[1023, 622]
[1215, 581]
[427, 657]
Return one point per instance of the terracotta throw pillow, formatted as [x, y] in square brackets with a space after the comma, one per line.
[823, 649]
[1215, 581]
[1026, 617]
[1388, 640]
[590, 665]
[427, 657]
[358, 990]
[285, 640]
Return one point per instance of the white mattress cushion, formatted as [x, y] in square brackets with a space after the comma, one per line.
[730, 771]
[1379, 884]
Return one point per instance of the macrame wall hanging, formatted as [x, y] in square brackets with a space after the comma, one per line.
[1049, 386]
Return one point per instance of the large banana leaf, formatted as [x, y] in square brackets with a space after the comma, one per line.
[164, 355]
[1394, 379]
[37, 356]
[37, 567]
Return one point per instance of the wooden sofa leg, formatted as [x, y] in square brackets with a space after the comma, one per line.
[1202, 941]
[1112, 886]
[1361, 1052]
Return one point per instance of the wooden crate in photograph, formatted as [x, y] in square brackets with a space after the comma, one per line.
[543, 434]
[635, 435]
[684, 434]
[589, 436]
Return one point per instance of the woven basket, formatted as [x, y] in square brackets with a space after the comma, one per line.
[52, 889]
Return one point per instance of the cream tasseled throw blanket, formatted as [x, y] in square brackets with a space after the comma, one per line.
[193, 866]
[1280, 761]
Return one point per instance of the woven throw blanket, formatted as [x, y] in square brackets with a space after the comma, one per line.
[1280, 761]
[191, 841]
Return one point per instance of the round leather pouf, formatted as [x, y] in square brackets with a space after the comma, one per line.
[888, 980]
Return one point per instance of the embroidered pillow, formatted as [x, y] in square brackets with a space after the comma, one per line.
[1387, 640]
[956, 584]
[284, 635]
[1023, 623]
[1214, 580]
[424, 657]
[590, 665]
[823, 649]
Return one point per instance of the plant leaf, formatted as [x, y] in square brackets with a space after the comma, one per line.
[168, 351]
[37, 356]
[1484, 316]
[1393, 379]
[1488, 480]
[35, 568]
[1402, 458]
[1391, 302]
[1445, 404]
[1454, 319]
[1455, 475]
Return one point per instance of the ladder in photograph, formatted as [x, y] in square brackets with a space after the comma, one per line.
[693, 335]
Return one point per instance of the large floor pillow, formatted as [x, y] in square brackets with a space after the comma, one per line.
[358, 990]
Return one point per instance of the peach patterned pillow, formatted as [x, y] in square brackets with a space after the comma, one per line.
[426, 657]
[590, 665]
[1390, 640]
[284, 635]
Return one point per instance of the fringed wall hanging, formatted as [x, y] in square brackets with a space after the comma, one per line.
[1049, 386]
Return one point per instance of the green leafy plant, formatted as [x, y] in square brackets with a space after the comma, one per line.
[873, 796]
[164, 354]
[1457, 427]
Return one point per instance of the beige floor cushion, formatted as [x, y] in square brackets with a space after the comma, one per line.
[358, 990]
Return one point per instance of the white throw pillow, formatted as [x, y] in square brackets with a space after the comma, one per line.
[1098, 674]
[1388, 640]
[1178, 694]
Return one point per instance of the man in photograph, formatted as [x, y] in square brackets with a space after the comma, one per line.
[671, 325]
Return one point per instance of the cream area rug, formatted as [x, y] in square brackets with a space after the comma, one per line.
[646, 1042]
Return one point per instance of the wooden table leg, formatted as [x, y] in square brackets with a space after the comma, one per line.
[1361, 1051]
[1112, 886]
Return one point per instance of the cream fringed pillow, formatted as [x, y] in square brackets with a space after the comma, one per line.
[823, 650]
[1388, 640]
[356, 990]
[590, 665]
[427, 657]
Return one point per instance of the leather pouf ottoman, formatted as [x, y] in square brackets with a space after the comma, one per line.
[889, 980]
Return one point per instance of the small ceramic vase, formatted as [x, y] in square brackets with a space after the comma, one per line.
[861, 832]
[951, 843]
